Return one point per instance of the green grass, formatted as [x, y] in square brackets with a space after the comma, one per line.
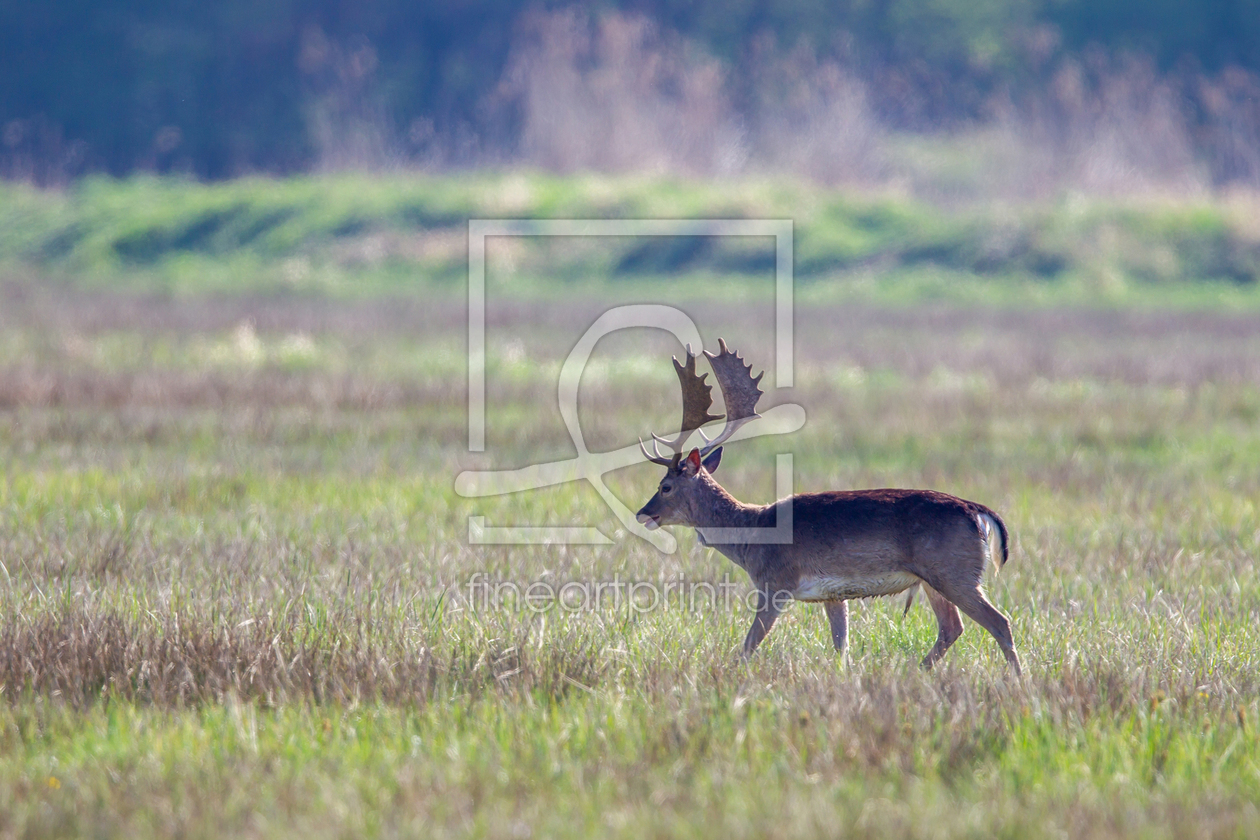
[358, 236]
[234, 597]
[749, 763]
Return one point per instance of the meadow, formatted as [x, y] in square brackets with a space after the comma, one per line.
[234, 591]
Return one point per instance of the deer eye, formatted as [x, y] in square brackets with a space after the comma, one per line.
[666, 489]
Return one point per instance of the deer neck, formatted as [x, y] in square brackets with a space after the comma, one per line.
[722, 510]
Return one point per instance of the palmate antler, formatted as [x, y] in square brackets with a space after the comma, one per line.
[739, 389]
[697, 400]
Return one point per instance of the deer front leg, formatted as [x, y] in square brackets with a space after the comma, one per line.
[767, 612]
[838, 615]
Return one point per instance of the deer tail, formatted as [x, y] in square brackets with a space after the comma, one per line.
[990, 523]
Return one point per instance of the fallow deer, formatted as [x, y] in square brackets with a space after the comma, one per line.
[844, 544]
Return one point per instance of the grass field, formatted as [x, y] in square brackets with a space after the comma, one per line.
[234, 595]
[356, 236]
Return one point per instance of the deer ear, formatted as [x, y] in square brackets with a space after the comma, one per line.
[691, 464]
[715, 458]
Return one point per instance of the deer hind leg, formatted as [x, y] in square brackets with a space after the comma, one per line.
[838, 615]
[762, 622]
[977, 607]
[949, 626]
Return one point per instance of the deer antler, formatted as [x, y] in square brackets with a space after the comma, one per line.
[697, 400]
[739, 389]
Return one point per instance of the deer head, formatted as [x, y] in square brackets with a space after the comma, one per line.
[679, 499]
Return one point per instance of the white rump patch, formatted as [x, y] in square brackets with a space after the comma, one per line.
[990, 536]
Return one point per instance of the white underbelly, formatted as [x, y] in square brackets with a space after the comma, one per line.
[844, 587]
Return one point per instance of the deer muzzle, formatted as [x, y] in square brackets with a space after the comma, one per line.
[648, 521]
[649, 517]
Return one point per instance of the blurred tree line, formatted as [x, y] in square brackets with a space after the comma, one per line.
[217, 89]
